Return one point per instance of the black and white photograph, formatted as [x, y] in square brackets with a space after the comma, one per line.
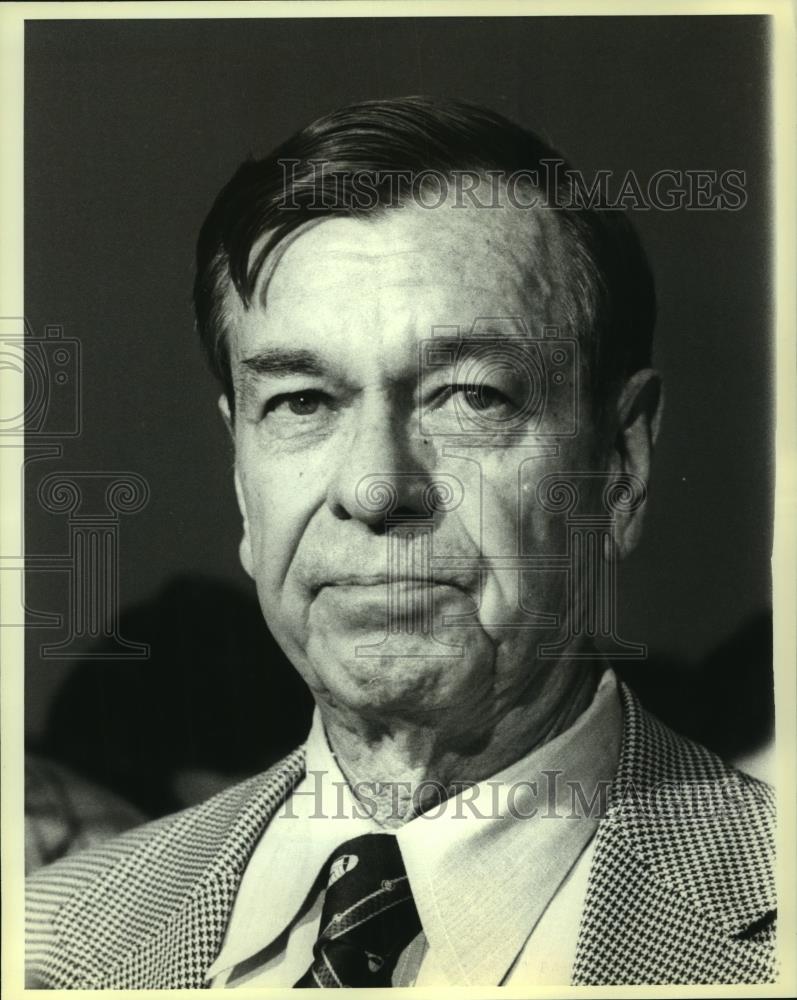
[399, 415]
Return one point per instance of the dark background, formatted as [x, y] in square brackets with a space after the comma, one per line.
[132, 127]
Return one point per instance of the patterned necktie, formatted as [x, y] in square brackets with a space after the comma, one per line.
[368, 917]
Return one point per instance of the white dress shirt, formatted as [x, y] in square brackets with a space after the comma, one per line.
[498, 873]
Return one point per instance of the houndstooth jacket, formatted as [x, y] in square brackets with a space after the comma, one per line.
[681, 888]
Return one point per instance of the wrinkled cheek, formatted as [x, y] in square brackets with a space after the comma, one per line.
[274, 532]
[511, 531]
[524, 605]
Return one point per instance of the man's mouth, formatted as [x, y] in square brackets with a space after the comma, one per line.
[412, 601]
[397, 582]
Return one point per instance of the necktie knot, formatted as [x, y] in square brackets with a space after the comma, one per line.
[368, 916]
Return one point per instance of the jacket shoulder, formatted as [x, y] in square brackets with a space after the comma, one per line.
[50, 888]
[699, 822]
[106, 899]
[682, 888]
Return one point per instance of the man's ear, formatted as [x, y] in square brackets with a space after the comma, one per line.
[245, 548]
[226, 415]
[636, 425]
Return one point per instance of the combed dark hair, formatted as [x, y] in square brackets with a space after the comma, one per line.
[610, 287]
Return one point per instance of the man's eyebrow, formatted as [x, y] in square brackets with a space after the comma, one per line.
[280, 362]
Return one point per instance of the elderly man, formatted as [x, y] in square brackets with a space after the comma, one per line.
[435, 363]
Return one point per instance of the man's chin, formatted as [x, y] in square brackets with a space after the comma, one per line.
[375, 674]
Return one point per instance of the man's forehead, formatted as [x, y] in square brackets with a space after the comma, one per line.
[399, 275]
[498, 248]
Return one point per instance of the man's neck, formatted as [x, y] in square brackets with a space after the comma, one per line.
[401, 768]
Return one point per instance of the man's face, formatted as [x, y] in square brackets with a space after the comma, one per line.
[332, 400]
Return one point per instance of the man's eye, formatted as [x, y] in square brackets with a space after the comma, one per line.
[480, 397]
[300, 404]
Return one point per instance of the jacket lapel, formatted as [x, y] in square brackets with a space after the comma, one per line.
[682, 886]
[169, 938]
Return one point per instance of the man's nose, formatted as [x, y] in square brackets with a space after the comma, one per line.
[381, 475]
